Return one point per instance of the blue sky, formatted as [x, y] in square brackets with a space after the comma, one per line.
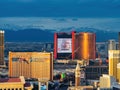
[59, 8]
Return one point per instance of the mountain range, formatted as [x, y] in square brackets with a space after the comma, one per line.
[40, 35]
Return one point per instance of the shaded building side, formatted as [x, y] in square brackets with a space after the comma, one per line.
[1, 47]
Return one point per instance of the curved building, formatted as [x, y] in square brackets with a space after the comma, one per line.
[85, 45]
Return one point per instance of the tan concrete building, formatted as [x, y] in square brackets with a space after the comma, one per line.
[81, 88]
[77, 75]
[31, 65]
[114, 59]
[112, 44]
[106, 81]
[1, 47]
[118, 73]
[15, 84]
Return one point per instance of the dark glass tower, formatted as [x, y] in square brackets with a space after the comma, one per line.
[1, 47]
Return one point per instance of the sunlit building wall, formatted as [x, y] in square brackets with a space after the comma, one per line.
[1, 47]
[85, 45]
[114, 59]
[118, 72]
[106, 81]
[77, 75]
[31, 65]
[15, 84]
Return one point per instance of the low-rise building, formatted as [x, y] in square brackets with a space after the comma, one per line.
[107, 81]
[31, 65]
[81, 88]
[15, 84]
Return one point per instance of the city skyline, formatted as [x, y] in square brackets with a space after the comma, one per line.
[46, 39]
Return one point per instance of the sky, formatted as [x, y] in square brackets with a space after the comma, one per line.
[60, 14]
[60, 8]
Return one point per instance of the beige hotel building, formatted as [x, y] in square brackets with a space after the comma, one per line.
[14, 84]
[31, 65]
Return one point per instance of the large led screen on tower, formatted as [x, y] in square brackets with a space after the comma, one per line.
[64, 45]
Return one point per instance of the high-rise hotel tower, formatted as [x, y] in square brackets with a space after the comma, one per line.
[1, 47]
[114, 59]
[85, 45]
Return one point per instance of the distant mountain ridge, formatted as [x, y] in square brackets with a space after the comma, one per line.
[28, 35]
[39, 35]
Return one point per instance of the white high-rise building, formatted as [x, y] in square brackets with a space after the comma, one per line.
[112, 44]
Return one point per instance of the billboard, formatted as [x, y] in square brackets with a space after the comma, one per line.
[64, 45]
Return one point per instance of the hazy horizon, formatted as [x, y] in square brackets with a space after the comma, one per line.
[59, 23]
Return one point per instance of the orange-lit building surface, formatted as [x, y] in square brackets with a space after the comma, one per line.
[82, 45]
[15, 84]
[85, 45]
[1, 47]
[114, 59]
[31, 65]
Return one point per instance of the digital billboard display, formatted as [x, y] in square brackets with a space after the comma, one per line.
[64, 45]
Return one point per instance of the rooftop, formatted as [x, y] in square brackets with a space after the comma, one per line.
[10, 80]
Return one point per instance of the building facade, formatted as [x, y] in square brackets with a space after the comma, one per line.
[119, 39]
[114, 59]
[112, 45]
[15, 84]
[118, 72]
[75, 45]
[31, 65]
[1, 47]
[106, 81]
[64, 45]
[85, 45]
[94, 72]
[77, 75]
